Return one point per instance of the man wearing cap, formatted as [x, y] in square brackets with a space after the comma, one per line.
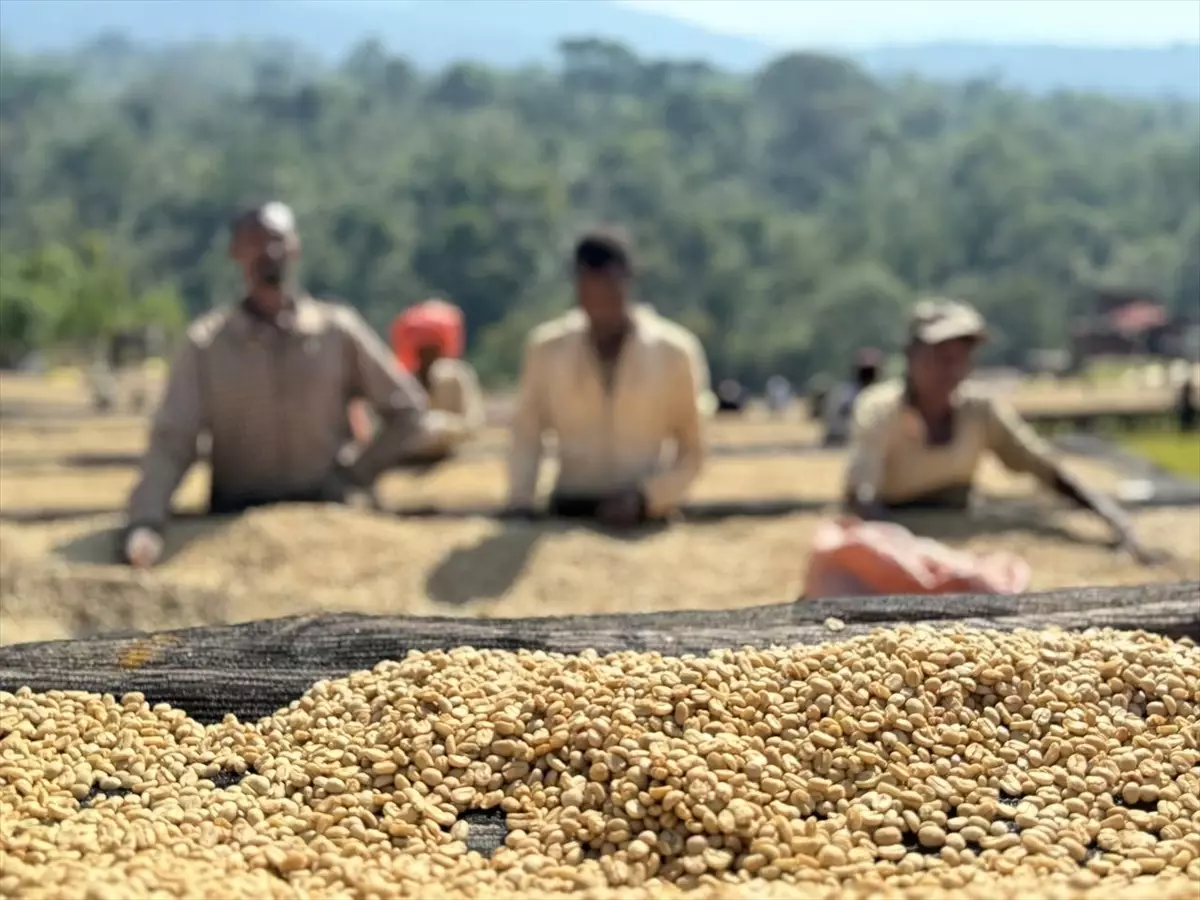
[622, 389]
[269, 380]
[839, 403]
[918, 442]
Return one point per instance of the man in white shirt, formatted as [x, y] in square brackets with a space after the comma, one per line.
[621, 388]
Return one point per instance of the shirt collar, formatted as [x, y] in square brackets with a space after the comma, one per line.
[641, 319]
[301, 315]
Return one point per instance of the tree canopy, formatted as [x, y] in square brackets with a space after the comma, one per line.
[787, 217]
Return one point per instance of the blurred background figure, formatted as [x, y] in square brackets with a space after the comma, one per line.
[427, 333]
[731, 397]
[1188, 403]
[815, 392]
[428, 340]
[779, 394]
[118, 378]
[838, 409]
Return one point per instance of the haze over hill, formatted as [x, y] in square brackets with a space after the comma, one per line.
[517, 32]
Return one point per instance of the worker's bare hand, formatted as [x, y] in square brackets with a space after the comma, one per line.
[143, 548]
[622, 510]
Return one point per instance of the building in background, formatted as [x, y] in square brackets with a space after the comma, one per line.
[1128, 323]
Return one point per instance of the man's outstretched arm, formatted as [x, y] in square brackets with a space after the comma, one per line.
[176, 427]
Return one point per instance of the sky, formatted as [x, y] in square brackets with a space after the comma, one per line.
[866, 23]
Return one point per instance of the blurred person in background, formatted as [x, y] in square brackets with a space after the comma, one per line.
[428, 342]
[269, 379]
[731, 396]
[121, 359]
[621, 388]
[917, 442]
[815, 392]
[1188, 401]
[779, 394]
[838, 410]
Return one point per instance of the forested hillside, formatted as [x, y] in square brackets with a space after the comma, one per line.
[787, 217]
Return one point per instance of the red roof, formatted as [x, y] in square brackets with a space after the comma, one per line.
[1137, 316]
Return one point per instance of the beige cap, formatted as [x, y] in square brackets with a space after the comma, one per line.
[937, 321]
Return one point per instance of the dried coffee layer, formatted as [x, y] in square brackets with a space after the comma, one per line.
[906, 763]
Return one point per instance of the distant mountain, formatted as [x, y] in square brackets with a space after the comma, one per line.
[509, 33]
[1121, 71]
[430, 32]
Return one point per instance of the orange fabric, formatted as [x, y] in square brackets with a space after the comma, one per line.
[432, 322]
[855, 558]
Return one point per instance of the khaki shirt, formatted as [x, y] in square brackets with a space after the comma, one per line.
[892, 461]
[273, 400]
[644, 433]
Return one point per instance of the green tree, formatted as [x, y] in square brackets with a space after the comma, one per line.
[864, 304]
[788, 217]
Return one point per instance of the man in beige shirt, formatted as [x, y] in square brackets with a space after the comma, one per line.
[269, 380]
[918, 442]
[621, 389]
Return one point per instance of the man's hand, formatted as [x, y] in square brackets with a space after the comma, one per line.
[340, 487]
[143, 548]
[622, 510]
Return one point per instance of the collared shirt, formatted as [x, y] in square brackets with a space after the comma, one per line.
[272, 397]
[641, 433]
[892, 460]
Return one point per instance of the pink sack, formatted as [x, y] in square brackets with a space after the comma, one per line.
[852, 558]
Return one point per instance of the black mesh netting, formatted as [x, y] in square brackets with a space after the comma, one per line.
[251, 670]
